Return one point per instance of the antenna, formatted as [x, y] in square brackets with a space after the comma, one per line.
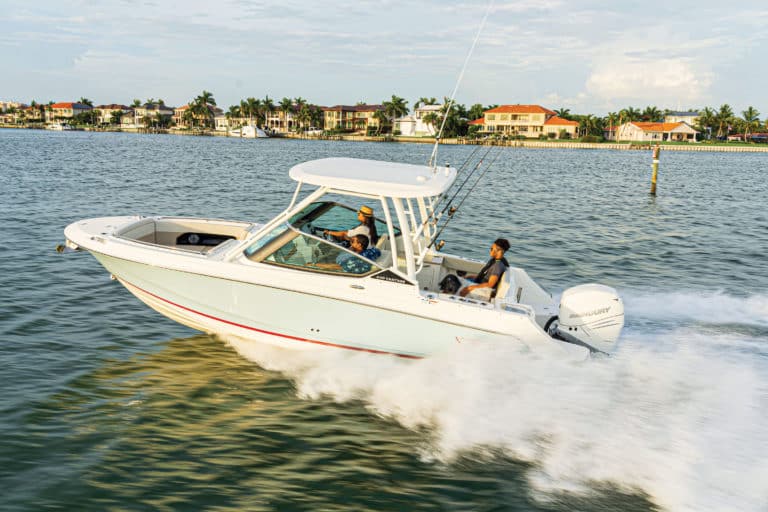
[433, 157]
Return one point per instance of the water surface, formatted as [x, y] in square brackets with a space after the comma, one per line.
[109, 406]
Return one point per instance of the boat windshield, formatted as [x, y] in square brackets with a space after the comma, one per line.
[285, 246]
[332, 216]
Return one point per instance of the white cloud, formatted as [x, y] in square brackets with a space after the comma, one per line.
[657, 81]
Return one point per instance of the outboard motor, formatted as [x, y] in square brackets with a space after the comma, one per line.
[591, 315]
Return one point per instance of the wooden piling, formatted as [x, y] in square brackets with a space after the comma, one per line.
[655, 168]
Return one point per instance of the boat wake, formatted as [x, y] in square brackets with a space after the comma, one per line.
[680, 412]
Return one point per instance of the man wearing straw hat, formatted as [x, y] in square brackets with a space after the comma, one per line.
[367, 227]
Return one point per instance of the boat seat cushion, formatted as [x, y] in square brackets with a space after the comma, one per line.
[385, 260]
[505, 285]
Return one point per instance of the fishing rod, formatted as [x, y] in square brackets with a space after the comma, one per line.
[433, 216]
[454, 210]
[479, 163]
[433, 156]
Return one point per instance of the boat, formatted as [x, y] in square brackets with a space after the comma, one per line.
[248, 131]
[262, 281]
[58, 127]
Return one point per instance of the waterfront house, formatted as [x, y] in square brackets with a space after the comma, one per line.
[561, 128]
[656, 132]
[689, 117]
[415, 126]
[144, 114]
[527, 121]
[351, 117]
[5, 106]
[34, 114]
[280, 121]
[221, 123]
[178, 115]
[213, 112]
[68, 110]
[406, 126]
[104, 113]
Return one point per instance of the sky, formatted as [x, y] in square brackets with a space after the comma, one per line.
[587, 56]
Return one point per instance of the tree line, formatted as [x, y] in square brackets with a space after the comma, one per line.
[713, 122]
[453, 117]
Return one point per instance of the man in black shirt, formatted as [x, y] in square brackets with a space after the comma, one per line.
[491, 273]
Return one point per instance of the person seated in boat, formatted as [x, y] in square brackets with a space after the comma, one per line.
[487, 280]
[350, 263]
[366, 227]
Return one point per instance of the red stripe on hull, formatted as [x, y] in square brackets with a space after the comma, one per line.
[279, 335]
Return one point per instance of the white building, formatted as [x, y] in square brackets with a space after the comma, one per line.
[656, 132]
[691, 118]
[415, 126]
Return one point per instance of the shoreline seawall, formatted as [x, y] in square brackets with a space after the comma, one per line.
[536, 144]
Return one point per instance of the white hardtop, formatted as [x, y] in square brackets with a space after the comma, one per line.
[375, 177]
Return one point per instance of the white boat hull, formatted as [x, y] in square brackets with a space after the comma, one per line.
[296, 319]
[277, 283]
[248, 132]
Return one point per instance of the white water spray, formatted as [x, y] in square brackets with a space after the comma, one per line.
[678, 413]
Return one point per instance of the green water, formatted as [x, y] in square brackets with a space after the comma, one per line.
[106, 405]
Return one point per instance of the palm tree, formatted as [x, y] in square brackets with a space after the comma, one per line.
[611, 120]
[316, 115]
[244, 110]
[116, 116]
[396, 107]
[476, 111]
[751, 119]
[201, 107]
[724, 118]
[431, 119]
[233, 113]
[206, 98]
[565, 113]
[304, 114]
[286, 105]
[269, 106]
[652, 114]
[707, 121]
[258, 111]
[252, 108]
[382, 118]
[92, 113]
[453, 118]
[189, 117]
[424, 101]
[630, 114]
[298, 105]
[587, 125]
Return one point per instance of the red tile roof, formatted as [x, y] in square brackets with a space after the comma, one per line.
[520, 109]
[480, 121]
[69, 105]
[354, 108]
[559, 121]
[656, 127]
[113, 106]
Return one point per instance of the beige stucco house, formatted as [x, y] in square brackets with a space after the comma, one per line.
[351, 117]
[67, 110]
[526, 120]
